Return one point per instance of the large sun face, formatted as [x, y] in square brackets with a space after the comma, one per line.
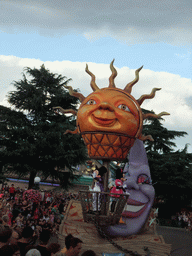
[110, 119]
[110, 110]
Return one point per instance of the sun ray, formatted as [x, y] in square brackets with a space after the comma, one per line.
[72, 132]
[128, 87]
[151, 115]
[93, 84]
[75, 94]
[148, 96]
[113, 75]
[66, 111]
[147, 137]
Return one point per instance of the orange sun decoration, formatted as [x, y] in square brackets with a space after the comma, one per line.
[110, 119]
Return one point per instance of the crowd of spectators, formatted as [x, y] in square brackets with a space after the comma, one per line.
[184, 220]
[26, 224]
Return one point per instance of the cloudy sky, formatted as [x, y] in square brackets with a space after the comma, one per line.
[65, 35]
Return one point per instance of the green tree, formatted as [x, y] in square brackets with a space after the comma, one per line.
[170, 169]
[33, 134]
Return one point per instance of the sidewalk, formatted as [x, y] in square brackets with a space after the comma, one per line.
[180, 239]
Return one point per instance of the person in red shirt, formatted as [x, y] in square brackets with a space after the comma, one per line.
[12, 192]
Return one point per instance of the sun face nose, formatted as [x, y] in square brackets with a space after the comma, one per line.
[106, 106]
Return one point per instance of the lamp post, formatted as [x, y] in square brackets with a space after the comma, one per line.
[36, 183]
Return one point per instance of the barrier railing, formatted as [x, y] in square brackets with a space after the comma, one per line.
[96, 207]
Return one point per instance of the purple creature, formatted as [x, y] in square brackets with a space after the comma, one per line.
[138, 184]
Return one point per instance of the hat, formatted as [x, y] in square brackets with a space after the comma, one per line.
[119, 173]
[102, 170]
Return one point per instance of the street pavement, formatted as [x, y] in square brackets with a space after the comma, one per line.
[180, 239]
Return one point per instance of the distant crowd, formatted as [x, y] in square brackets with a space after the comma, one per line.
[184, 220]
[24, 223]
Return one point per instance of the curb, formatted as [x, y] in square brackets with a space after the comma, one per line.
[180, 229]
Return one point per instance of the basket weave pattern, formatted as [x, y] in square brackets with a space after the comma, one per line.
[102, 145]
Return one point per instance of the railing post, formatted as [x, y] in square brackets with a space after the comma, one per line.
[106, 176]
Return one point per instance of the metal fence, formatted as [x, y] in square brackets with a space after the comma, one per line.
[97, 207]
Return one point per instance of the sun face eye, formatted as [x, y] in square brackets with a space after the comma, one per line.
[124, 107]
[91, 102]
[143, 179]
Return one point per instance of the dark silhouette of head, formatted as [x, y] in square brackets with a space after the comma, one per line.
[102, 170]
[71, 241]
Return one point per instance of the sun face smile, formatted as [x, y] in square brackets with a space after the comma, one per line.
[104, 121]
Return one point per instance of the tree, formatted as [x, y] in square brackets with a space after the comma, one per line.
[33, 134]
[171, 170]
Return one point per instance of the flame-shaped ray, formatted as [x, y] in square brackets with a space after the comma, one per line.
[147, 137]
[151, 115]
[66, 111]
[93, 84]
[72, 132]
[75, 94]
[128, 87]
[113, 75]
[148, 96]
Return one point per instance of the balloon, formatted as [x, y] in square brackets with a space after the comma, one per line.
[110, 119]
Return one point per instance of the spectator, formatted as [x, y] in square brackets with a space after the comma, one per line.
[12, 192]
[61, 207]
[24, 213]
[9, 250]
[5, 234]
[14, 237]
[26, 239]
[19, 220]
[5, 248]
[15, 209]
[1, 195]
[44, 239]
[73, 246]
[33, 252]
[89, 253]
[42, 195]
[54, 248]
[5, 220]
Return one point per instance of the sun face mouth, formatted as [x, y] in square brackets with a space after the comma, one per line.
[104, 121]
[134, 209]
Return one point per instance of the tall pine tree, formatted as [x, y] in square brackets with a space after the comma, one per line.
[171, 169]
[33, 134]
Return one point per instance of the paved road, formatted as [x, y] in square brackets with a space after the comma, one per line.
[180, 239]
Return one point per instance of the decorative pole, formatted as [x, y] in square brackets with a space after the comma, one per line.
[36, 183]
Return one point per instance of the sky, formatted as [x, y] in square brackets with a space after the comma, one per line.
[65, 35]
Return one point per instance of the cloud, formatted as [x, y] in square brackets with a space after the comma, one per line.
[175, 96]
[132, 21]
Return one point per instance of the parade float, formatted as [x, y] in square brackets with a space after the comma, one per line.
[110, 121]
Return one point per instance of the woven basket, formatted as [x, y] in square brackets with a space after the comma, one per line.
[110, 146]
[103, 216]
